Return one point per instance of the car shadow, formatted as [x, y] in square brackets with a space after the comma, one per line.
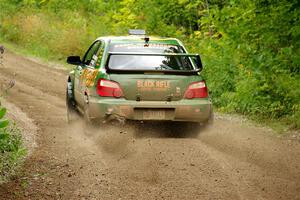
[152, 129]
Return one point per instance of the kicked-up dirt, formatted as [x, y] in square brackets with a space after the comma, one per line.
[231, 160]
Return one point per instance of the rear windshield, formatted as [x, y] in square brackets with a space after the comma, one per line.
[148, 62]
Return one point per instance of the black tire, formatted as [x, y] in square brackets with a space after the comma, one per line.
[72, 113]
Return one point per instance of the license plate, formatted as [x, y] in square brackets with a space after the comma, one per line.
[154, 114]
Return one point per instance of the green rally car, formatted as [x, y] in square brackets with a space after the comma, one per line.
[137, 77]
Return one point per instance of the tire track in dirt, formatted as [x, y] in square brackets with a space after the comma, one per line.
[141, 161]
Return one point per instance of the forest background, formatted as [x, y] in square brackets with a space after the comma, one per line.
[250, 48]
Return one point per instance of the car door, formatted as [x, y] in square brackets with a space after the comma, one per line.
[89, 60]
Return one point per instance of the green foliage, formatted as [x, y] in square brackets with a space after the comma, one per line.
[11, 147]
[250, 48]
[3, 123]
[2, 113]
[262, 39]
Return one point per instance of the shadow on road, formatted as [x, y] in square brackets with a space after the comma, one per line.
[166, 129]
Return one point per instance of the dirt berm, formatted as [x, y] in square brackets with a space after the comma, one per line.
[232, 160]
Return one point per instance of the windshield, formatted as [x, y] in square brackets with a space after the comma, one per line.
[150, 61]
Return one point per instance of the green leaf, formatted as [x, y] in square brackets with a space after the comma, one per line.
[4, 136]
[2, 112]
[4, 123]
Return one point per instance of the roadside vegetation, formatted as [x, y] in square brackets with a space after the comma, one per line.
[12, 151]
[250, 48]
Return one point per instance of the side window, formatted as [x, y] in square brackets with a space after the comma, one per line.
[91, 53]
[99, 56]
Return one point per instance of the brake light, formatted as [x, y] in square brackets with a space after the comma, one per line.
[106, 88]
[196, 90]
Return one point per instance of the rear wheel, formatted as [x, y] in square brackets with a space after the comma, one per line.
[72, 113]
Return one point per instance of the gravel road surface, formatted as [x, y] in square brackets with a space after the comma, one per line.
[232, 160]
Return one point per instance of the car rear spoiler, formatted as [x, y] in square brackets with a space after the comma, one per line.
[197, 62]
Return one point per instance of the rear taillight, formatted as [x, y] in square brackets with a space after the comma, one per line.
[106, 88]
[196, 90]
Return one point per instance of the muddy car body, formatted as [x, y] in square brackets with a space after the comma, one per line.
[138, 78]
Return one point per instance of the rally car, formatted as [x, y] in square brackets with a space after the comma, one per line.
[137, 77]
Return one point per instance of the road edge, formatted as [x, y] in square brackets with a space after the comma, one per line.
[26, 125]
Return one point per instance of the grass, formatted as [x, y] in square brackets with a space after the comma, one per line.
[12, 151]
[34, 53]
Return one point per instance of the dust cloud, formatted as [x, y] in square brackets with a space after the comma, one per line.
[128, 149]
[115, 139]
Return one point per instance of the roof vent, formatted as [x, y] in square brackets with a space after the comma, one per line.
[136, 32]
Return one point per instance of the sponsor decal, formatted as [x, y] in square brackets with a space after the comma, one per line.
[89, 75]
[150, 85]
[94, 60]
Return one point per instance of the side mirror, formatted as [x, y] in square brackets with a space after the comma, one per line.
[198, 63]
[74, 60]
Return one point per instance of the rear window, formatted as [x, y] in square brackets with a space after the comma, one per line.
[148, 62]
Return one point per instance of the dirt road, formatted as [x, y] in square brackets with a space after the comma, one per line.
[232, 160]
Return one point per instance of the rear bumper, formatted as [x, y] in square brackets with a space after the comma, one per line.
[198, 110]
